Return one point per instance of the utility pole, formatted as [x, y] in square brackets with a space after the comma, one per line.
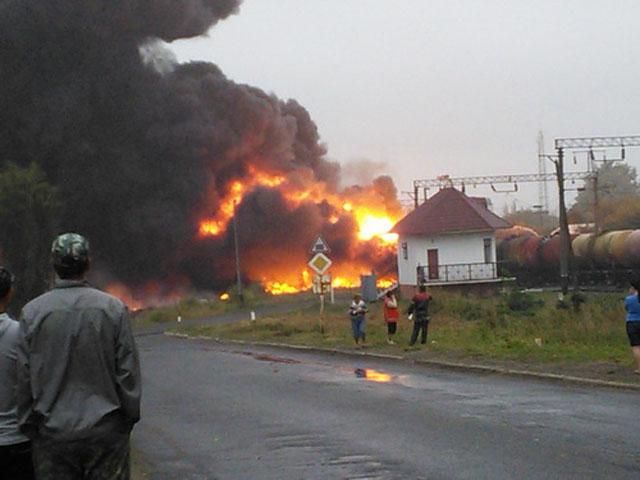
[580, 143]
[565, 240]
[543, 195]
[237, 249]
[596, 207]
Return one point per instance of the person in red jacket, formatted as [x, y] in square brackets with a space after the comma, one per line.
[391, 315]
[419, 311]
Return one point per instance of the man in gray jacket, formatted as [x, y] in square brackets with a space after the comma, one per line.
[15, 448]
[78, 374]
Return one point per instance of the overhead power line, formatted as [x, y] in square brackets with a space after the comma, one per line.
[445, 181]
[598, 142]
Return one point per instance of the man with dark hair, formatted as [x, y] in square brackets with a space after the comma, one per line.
[15, 448]
[78, 374]
[419, 311]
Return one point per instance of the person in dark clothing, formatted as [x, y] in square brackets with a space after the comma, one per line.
[419, 312]
[78, 374]
[15, 448]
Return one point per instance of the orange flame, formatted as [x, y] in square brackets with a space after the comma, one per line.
[153, 294]
[218, 224]
[384, 283]
[371, 222]
[363, 205]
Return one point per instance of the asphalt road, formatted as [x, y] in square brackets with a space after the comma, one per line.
[214, 411]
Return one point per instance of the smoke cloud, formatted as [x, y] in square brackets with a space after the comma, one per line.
[142, 147]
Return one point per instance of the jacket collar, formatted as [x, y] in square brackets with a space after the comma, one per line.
[70, 283]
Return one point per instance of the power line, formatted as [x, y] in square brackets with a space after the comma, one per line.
[445, 181]
[598, 142]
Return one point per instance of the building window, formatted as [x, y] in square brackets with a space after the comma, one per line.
[487, 250]
[405, 251]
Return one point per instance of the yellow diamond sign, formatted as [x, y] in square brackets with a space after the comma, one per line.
[320, 263]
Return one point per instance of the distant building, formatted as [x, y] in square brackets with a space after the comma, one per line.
[448, 240]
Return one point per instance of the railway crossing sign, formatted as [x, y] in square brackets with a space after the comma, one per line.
[320, 263]
[320, 246]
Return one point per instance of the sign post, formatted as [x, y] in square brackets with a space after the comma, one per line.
[320, 264]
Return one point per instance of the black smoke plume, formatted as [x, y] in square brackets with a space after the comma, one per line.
[142, 147]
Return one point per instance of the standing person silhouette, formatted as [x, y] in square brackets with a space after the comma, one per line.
[78, 374]
[357, 312]
[632, 306]
[419, 311]
[15, 448]
[391, 315]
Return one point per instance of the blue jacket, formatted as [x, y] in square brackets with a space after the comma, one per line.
[632, 306]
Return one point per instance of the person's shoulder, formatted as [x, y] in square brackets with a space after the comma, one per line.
[107, 299]
[37, 303]
[9, 323]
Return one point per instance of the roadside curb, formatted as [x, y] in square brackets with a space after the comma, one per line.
[435, 363]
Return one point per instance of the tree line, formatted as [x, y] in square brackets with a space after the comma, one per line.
[29, 216]
[613, 201]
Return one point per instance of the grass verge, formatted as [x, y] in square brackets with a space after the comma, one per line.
[208, 306]
[514, 326]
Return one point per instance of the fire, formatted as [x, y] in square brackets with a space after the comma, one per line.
[237, 190]
[343, 282]
[225, 297]
[305, 283]
[153, 294]
[385, 283]
[282, 288]
[362, 206]
[287, 284]
[372, 225]
[120, 291]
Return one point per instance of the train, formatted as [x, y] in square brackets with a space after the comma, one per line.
[607, 258]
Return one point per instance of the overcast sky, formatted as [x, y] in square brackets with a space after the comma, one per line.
[425, 88]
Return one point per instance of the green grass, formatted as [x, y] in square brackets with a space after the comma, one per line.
[210, 305]
[515, 326]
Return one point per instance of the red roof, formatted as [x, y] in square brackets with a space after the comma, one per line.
[449, 211]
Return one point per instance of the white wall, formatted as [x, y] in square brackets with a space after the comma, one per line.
[452, 249]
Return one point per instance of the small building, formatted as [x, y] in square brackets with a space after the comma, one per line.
[449, 240]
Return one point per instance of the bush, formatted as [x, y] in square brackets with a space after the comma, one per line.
[522, 302]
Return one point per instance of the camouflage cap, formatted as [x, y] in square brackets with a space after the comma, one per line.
[70, 249]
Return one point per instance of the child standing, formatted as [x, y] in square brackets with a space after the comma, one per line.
[391, 315]
[357, 312]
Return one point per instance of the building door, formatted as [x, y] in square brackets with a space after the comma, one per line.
[487, 250]
[432, 261]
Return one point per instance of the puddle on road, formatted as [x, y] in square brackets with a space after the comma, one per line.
[373, 375]
[368, 374]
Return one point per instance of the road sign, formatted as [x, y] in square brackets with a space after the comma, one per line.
[320, 246]
[320, 263]
[321, 284]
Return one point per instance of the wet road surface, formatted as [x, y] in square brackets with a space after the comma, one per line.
[214, 411]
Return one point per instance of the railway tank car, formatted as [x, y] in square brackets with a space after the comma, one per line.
[608, 258]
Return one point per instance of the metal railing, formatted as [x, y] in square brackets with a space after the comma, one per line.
[457, 272]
